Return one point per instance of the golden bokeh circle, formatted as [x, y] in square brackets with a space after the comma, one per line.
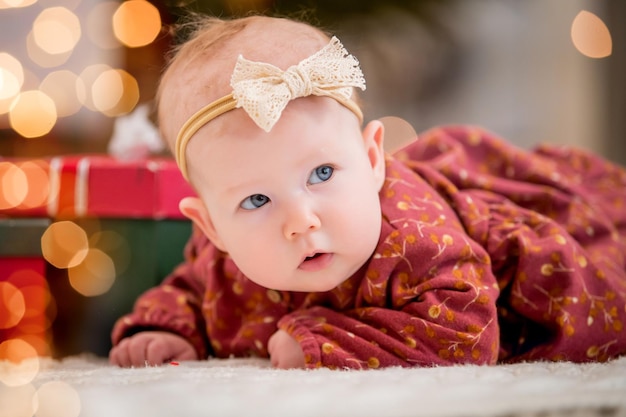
[32, 114]
[12, 305]
[56, 399]
[136, 23]
[94, 276]
[19, 362]
[64, 244]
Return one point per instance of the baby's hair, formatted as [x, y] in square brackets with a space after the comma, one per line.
[196, 34]
[192, 25]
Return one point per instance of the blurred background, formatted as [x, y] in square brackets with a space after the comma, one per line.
[72, 71]
[70, 68]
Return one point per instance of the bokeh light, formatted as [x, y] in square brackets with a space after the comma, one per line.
[64, 244]
[37, 187]
[19, 363]
[33, 114]
[98, 25]
[85, 82]
[36, 301]
[30, 83]
[38, 312]
[115, 92]
[591, 36]
[26, 277]
[14, 4]
[61, 87]
[94, 276]
[56, 30]
[13, 185]
[115, 245]
[398, 132]
[43, 58]
[5, 106]
[17, 401]
[107, 90]
[136, 23]
[56, 399]
[12, 305]
[11, 76]
[40, 342]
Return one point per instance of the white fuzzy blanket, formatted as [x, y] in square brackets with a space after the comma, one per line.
[250, 387]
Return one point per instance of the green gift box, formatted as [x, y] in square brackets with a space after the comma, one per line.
[22, 237]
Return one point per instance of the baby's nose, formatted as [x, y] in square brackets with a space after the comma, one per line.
[300, 218]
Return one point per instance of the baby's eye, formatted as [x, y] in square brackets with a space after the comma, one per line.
[321, 174]
[254, 202]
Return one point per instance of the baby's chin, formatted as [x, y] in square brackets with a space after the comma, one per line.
[308, 284]
[326, 274]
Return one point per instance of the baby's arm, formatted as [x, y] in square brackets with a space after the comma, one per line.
[173, 308]
[151, 348]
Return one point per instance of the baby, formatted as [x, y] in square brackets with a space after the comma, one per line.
[314, 248]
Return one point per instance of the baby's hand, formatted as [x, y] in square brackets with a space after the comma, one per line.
[285, 352]
[151, 348]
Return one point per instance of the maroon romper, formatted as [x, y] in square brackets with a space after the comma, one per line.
[487, 254]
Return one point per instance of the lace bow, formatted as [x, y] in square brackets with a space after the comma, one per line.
[264, 90]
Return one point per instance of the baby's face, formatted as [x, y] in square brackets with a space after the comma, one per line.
[296, 208]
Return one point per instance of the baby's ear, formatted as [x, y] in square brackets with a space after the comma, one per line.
[373, 139]
[194, 209]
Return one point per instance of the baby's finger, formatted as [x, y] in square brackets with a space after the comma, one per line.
[137, 351]
[157, 352]
[271, 342]
[119, 354]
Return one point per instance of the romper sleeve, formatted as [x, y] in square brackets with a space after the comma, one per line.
[174, 305]
[427, 297]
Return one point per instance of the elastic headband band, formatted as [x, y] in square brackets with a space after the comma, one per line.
[195, 122]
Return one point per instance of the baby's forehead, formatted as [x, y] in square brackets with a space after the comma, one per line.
[202, 74]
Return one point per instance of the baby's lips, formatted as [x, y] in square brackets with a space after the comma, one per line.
[319, 261]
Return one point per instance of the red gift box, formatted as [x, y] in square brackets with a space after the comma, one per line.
[26, 307]
[26, 304]
[96, 186]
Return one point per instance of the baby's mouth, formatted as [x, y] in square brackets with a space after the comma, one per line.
[308, 258]
[316, 261]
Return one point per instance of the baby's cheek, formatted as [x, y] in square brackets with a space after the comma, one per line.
[262, 267]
